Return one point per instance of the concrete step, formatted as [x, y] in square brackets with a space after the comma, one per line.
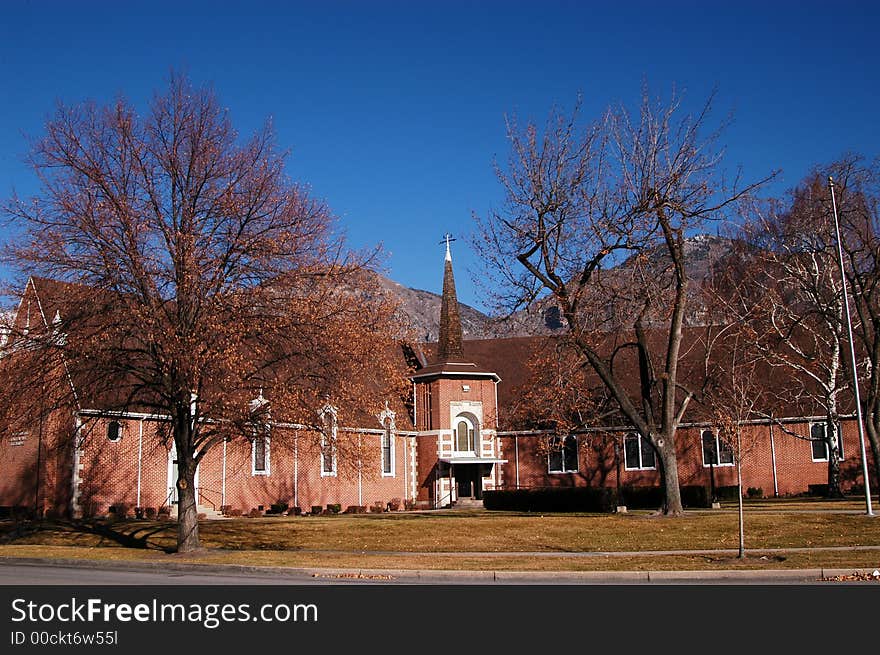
[211, 513]
[468, 503]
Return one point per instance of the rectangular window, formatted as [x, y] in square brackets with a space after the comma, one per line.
[260, 451]
[638, 453]
[429, 408]
[387, 453]
[716, 451]
[819, 445]
[563, 456]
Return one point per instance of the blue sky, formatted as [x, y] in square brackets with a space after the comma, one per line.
[394, 111]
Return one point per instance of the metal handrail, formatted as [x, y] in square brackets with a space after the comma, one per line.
[200, 492]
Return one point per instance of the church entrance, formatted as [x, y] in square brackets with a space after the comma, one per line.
[468, 481]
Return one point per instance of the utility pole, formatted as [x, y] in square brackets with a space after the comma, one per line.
[852, 351]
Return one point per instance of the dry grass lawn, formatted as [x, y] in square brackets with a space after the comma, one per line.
[481, 540]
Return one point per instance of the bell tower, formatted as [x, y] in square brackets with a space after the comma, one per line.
[456, 410]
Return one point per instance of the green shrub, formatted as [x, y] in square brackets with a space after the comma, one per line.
[641, 497]
[818, 490]
[588, 499]
[334, 508]
[755, 492]
[568, 499]
[729, 492]
[695, 496]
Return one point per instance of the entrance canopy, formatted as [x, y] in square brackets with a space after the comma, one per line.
[464, 459]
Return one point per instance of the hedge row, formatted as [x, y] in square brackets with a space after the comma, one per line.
[587, 499]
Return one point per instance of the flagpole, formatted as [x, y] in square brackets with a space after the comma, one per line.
[852, 351]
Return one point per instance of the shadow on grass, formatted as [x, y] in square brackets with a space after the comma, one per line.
[125, 534]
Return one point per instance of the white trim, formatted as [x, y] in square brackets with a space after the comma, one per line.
[140, 461]
[296, 468]
[693, 424]
[360, 466]
[516, 457]
[223, 478]
[773, 460]
[478, 375]
[473, 460]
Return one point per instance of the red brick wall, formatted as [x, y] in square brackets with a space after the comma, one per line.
[795, 469]
[109, 471]
[19, 477]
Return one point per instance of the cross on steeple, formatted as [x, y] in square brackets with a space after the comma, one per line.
[446, 239]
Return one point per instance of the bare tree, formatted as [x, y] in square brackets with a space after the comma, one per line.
[735, 389]
[197, 276]
[790, 289]
[581, 200]
[857, 184]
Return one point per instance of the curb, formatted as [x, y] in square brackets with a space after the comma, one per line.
[380, 575]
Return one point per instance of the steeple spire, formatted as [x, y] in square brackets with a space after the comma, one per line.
[449, 346]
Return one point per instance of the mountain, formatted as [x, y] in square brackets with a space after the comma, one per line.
[702, 252]
[420, 310]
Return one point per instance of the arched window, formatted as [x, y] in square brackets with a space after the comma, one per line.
[466, 433]
[386, 420]
[114, 431]
[388, 449]
[259, 435]
[260, 450]
[328, 440]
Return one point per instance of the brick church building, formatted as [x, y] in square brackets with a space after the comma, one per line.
[448, 446]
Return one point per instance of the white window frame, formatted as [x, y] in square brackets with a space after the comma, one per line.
[264, 429]
[640, 467]
[839, 432]
[386, 420]
[577, 454]
[718, 443]
[328, 410]
[119, 432]
[389, 435]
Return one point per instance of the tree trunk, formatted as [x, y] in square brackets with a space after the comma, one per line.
[187, 509]
[873, 430]
[833, 468]
[739, 494]
[666, 449]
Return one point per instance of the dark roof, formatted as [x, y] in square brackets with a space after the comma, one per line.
[76, 304]
[513, 360]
